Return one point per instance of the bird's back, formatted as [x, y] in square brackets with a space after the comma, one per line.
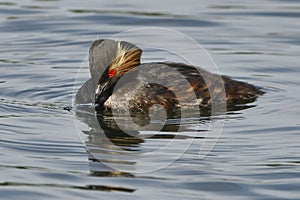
[177, 85]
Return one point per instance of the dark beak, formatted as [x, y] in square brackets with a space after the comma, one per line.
[101, 95]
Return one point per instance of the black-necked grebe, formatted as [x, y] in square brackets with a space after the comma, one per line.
[111, 60]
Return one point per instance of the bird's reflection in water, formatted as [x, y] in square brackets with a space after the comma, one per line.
[117, 152]
[112, 148]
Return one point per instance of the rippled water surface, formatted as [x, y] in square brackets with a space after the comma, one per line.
[49, 151]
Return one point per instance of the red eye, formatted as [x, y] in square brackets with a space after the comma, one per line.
[111, 73]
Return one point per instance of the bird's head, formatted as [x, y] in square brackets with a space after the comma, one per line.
[127, 58]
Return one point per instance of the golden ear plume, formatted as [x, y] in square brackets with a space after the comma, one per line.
[127, 58]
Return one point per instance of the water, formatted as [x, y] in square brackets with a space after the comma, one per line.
[43, 43]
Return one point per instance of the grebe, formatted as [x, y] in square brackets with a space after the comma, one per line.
[111, 60]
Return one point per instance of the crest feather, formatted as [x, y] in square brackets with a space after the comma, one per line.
[127, 58]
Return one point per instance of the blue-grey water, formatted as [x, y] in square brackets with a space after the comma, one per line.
[45, 149]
